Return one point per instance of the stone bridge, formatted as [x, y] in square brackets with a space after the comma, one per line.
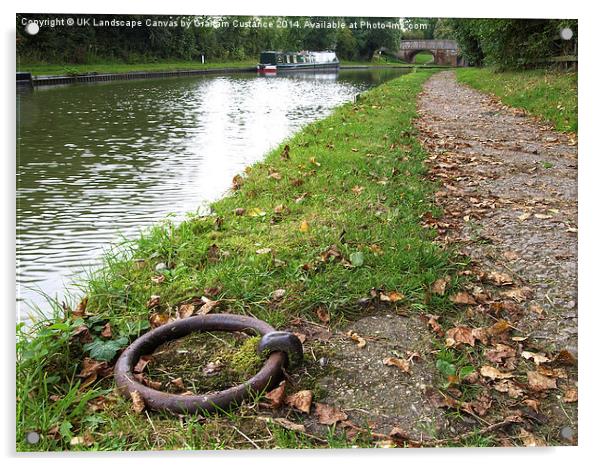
[444, 51]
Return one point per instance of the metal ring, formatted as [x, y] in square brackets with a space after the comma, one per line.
[267, 377]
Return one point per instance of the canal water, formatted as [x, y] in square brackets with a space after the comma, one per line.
[100, 162]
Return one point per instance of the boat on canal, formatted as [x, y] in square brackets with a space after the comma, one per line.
[271, 62]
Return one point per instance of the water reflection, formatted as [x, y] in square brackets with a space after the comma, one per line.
[97, 161]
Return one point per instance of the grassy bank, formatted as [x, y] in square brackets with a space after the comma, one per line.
[41, 69]
[549, 95]
[329, 215]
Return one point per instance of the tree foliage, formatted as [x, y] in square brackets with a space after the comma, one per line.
[509, 43]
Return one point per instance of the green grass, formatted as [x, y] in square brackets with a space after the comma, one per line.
[38, 69]
[423, 58]
[354, 180]
[550, 95]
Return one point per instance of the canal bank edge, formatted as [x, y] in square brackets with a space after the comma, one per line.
[29, 78]
[327, 221]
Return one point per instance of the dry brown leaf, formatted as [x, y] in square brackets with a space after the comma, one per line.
[432, 322]
[500, 353]
[80, 310]
[440, 286]
[508, 386]
[500, 327]
[564, 358]
[533, 404]
[185, 310]
[540, 382]
[570, 395]
[300, 400]
[158, 279]
[494, 374]
[458, 335]
[396, 362]
[530, 440]
[275, 397]
[137, 402]
[510, 255]
[156, 319]
[208, 306]
[536, 308]
[361, 342]
[178, 383]
[323, 315]
[329, 415]
[462, 298]
[92, 367]
[153, 301]
[499, 278]
[142, 362]
[538, 358]
[357, 190]
[392, 297]
[518, 294]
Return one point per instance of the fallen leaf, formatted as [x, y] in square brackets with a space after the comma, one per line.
[106, 331]
[300, 400]
[530, 440]
[536, 308]
[239, 211]
[275, 397]
[178, 383]
[570, 395]
[432, 322]
[440, 286]
[137, 402]
[153, 301]
[494, 374]
[278, 294]
[329, 415]
[142, 362]
[80, 310]
[304, 227]
[256, 212]
[462, 298]
[361, 342]
[539, 382]
[357, 190]
[264, 251]
[500, 353]
[158, 279]
[392, 297]
[499, 278]
[92, 367]
[564, 358]
[323, 315]
[538, 358]
[458, 335]
[510, 255]
[396, 362]
[208, 306]
[275, 176]
[524, 216]
[518, 294]
[156, 319]
[185, 310]
[508, 386]
[533, 404]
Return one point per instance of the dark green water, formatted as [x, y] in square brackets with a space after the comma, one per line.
[99, 161]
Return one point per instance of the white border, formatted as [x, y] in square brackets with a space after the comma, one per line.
[590, 196]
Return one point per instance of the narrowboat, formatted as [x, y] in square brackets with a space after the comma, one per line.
[271, 62]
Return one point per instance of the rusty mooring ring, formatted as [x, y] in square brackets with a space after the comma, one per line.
[267, 377]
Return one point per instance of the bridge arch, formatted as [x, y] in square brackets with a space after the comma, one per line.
[445, 52]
